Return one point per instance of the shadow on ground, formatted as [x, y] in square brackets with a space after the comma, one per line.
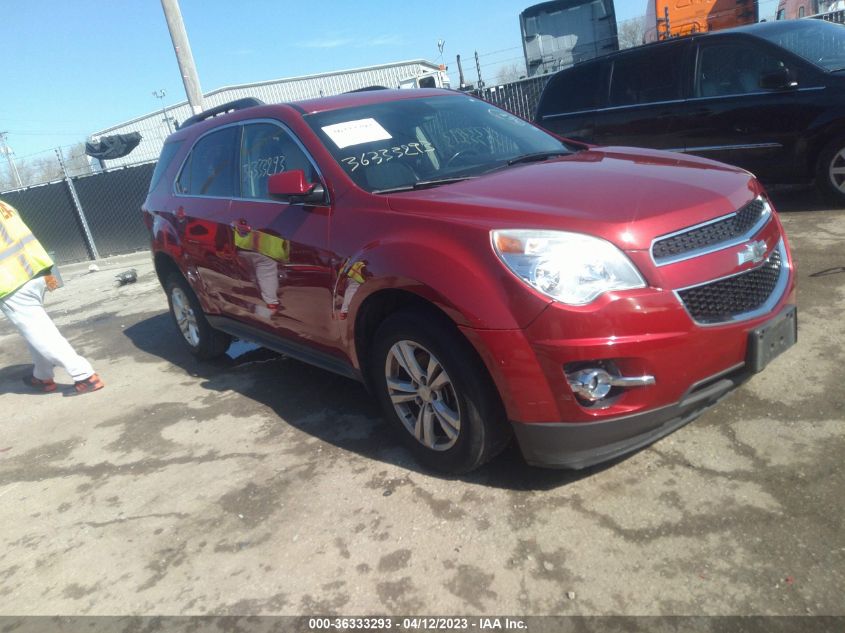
[11, 381]
[793, 199]
[311, 399]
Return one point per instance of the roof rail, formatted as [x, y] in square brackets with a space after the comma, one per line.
[367, 89]
[238, 104]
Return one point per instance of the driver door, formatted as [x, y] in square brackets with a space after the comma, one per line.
[282, 248]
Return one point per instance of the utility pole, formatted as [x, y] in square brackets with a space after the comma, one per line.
[478, 70]
[461, 74]
[13, 170]
[159, 94]
[182, 48]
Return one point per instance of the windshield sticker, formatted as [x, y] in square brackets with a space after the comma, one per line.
[382, 156]
[356, 132]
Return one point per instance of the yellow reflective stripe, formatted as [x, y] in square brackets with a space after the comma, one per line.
[5, 234]
[15, 248]
[24, 262]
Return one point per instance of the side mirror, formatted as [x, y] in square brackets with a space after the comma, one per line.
[294, 187]
[780, 79]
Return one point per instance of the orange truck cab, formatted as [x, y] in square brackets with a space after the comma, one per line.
[673, 18]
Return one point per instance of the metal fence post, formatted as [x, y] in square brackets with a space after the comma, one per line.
[78, 205]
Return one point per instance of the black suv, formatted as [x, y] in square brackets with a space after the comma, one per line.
[769, 98]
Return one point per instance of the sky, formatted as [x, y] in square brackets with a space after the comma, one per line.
[74, 67]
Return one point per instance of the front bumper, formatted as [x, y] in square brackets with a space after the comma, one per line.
[568, 445]
[694, 368]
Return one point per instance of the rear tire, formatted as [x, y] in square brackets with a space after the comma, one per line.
[830, 175]
[202, 340]
[436, 392]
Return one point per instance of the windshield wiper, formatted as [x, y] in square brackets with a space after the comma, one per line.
[538, 156]
[423, 184]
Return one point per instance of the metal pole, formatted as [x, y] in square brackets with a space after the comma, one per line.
[461, 74]
[13, 170]
[478, 70]
[159, 94]
[78, 205]
[182, 48]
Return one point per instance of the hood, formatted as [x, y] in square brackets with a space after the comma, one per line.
[627, 196]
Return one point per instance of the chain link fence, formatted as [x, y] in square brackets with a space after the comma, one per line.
[87, 216]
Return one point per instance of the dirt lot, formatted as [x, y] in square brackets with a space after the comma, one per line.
[260, 485]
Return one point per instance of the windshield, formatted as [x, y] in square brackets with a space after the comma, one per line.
[817, 41]
[400, 144]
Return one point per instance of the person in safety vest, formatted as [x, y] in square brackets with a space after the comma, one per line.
[355, 274]
[24, 278]
[263, 252]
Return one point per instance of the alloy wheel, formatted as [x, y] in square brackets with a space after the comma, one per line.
[185, 317]
[836, 170]
[423, 395]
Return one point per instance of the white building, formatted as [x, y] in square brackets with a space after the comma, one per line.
[154, 128]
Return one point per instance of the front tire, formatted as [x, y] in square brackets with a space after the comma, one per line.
[830, 176]
[202, 340]
[436, 392]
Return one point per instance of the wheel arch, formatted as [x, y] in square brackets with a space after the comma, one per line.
[380, 305]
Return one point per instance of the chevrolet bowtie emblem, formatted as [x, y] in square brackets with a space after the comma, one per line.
[753, 252]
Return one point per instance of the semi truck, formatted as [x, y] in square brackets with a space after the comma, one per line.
[674, 18]
[794, 9]
[561, 33]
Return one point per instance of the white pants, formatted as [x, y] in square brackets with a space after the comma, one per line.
[49, 349]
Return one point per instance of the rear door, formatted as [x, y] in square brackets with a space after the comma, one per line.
[733, 119]
[646, 97]
[202, 194]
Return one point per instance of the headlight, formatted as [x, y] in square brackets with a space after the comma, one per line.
[569, 267]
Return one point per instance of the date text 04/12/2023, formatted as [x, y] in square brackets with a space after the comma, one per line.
[417, 623]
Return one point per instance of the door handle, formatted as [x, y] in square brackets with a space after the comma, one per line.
[242, 227]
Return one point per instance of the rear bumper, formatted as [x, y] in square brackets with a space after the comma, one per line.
[578, 445]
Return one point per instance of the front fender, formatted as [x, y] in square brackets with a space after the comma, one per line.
[457, 271]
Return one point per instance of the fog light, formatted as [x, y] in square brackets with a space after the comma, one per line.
[594, 384]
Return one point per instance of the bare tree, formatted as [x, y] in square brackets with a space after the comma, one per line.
[509, 73]
[632, 32]
[76, 160]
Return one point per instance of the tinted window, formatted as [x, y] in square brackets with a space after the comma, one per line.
[647, 76]
[819, 42]
[167, 154]
[210, 169]
[268, 149]
[733, 69]
[575, 89]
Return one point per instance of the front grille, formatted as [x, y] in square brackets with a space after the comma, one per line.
[729, 229]
[726, 299]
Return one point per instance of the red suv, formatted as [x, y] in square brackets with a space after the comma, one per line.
[480, 275]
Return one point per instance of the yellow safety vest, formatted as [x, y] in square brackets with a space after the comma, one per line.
[356, 272]
[21, 255]
[270, 245]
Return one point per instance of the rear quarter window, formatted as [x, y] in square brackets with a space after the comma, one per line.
[168, 152]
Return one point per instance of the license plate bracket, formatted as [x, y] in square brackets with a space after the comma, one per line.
[771, 339]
